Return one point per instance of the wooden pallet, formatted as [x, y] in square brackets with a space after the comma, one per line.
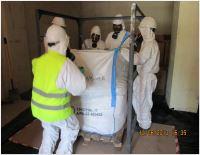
[115, 139]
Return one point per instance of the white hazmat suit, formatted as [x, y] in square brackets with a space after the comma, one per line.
[59, 21]
[147, 61]
[114, 43]
[74, 81]
[87, 44]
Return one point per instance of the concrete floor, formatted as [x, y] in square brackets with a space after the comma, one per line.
[152, 144]
[160, 114]
[156, 144]
[9, 110]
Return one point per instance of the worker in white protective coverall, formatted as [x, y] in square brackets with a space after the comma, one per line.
[147, 61]
[114, 38]
[55, 78]
[56, 21]
[60, 22]
[95, 42]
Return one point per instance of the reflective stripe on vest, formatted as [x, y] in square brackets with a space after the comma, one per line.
[47, 107]
[50, 95]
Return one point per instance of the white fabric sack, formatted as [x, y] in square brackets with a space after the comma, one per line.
[93, 107]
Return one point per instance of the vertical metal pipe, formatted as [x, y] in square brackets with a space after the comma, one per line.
[80, 35]
[130, 82]
[37, 18]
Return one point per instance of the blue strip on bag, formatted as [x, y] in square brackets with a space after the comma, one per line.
[113, 78]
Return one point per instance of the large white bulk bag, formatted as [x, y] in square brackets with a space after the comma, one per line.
[93, 107]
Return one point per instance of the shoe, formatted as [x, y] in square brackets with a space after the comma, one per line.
[137, 128]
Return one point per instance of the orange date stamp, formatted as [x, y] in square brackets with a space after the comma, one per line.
[162, 132]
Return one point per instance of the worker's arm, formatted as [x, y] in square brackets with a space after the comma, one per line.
[125, 54]
[126, 43]
[144, 55]
[45, 45]
[107, 41]
[139, 58]
[71, 78]
[33, 64]
[83, 46]
[102, 45]
[70, 55]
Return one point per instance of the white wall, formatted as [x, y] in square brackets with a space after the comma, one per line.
[172, 50]
[183, 80]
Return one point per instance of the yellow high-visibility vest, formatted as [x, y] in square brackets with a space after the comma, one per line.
[49, 103]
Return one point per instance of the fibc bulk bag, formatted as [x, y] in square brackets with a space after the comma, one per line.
[93, 108]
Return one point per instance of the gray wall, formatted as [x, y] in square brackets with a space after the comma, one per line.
[161, 11]
[19, 27]
[70, 8]
[22, 36]
[15, 30]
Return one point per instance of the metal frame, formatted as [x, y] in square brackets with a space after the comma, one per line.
[131, 118]
[79, 21]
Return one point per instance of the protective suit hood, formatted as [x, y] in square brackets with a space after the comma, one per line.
[57, 39]
[145, 28]
[119, 21]
[59, 21]
[118, 26]
[95, 35]
[95, 29]
[148, 22]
